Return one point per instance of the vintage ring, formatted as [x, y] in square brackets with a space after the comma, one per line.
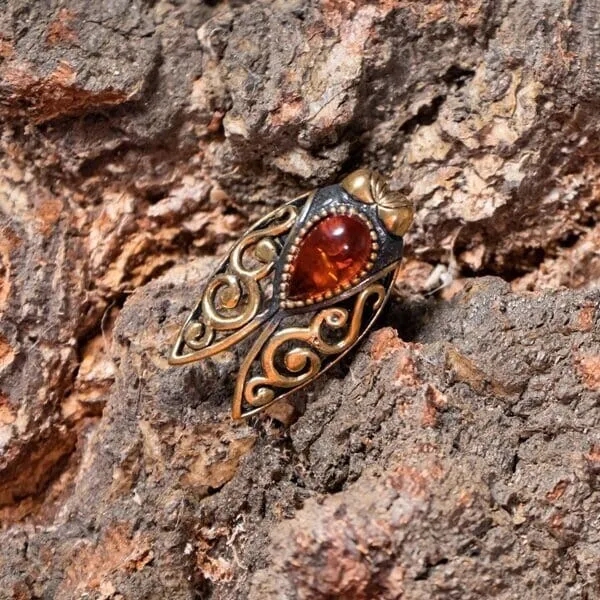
[310, 277]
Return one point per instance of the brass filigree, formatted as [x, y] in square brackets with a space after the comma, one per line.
[231, 300]
[305, 360]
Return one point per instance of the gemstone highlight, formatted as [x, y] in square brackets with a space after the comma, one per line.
[333, 252]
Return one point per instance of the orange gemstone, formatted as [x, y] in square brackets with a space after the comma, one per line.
[332, 253]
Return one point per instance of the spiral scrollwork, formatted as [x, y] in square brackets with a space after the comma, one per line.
[288, 214]
[304, 362]
[232, 299]
[230, 313]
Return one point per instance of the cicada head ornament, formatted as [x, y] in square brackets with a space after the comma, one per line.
[302, 286]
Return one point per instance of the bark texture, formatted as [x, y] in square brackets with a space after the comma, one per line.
[455, 455]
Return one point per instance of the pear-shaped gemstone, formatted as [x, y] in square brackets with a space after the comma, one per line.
[331, 254]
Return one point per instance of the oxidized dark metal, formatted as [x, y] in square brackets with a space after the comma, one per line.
[298, 339]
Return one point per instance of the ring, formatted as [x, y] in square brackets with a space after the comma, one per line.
[309, 280]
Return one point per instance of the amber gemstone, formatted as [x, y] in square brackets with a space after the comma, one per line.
[332, 253]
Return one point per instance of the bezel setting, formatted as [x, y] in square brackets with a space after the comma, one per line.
[292, 255]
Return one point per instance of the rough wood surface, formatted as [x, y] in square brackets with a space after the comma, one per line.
[455, 455]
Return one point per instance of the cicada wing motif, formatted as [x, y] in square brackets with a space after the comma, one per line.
[287, 355]
[238, 298]
[307, 281]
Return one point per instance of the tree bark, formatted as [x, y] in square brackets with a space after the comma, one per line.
[455, 454]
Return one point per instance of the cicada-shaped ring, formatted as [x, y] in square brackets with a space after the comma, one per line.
[300, 288]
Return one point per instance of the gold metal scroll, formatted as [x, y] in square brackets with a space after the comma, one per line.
[232, 299]
[304, 360]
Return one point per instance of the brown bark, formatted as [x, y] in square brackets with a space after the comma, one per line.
[454, 455]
